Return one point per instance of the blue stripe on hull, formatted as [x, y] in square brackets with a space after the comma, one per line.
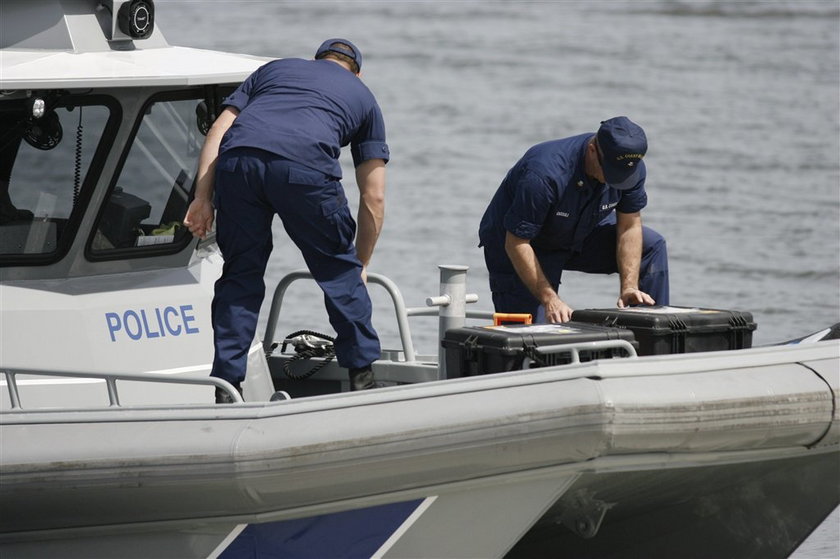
[348, 535]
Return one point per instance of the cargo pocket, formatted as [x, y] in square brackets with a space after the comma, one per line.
[337, 213]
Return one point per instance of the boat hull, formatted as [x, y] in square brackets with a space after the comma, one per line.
[641, 435]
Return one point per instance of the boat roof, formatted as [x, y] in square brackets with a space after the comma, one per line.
[70, 44]
[166, 66]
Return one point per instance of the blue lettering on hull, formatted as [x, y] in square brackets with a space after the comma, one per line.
[139, 324]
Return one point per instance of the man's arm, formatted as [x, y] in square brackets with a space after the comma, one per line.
[528, 268]
[628, 258]
[199, 218]
[370, 176]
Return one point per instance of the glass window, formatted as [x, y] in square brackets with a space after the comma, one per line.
[45, 165]
[147, 204]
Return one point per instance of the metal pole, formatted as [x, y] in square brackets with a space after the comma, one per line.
[11, 382]
[453, 306]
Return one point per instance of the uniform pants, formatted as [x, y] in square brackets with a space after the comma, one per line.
[252, 186]
[598, 256]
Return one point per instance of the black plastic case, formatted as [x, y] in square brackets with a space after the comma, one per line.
[123, 214]
[476, 350]
[665, 329]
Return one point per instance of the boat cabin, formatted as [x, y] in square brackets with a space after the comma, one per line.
[101, 124]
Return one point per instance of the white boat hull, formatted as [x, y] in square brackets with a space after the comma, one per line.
[480, 447]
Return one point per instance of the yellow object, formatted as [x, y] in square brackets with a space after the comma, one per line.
[167, 228]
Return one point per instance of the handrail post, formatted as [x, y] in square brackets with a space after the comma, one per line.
[113, 397]
[400, 311]
[11, 382]
[452, 301]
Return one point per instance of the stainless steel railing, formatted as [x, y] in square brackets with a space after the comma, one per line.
[449, 306]
[111, 382]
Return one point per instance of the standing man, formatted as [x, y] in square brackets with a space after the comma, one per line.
[573, 204]
[275, 149]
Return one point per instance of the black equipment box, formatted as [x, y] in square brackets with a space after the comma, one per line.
[475, 350]
[123, 214]
[665, 329]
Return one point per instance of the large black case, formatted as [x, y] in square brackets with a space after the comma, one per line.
[665, 329]
[475, 350]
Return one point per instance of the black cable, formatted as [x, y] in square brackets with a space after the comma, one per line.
[77, 171]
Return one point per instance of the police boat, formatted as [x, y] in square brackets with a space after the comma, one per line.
[579, 440]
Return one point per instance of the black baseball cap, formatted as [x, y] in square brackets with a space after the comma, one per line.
[337, 46]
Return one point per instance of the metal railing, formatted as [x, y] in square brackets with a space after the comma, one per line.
[111, 382]
[401, 311]
[575, 348]
[449, 306]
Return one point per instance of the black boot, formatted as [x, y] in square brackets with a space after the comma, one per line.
[223, 397]
[362, 379]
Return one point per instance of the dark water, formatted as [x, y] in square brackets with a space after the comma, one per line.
[739, 101]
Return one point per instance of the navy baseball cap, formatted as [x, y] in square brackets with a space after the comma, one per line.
[335, 45]
[622, 145]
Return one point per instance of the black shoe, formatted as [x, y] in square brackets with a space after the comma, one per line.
[223, 397]
[362, 379]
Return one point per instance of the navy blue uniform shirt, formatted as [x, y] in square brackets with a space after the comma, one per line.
[547, 198]
[306, 111]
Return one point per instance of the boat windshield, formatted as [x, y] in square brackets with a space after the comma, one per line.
[44, 167]
[51, 168]
[145, 207]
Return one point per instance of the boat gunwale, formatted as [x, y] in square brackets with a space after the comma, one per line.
[678, 364]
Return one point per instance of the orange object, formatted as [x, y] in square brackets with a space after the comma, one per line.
[500, 317]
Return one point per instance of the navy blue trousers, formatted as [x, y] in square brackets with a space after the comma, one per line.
[597, 256]
[252, 186]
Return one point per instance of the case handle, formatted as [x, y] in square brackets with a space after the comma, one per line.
[524, 318]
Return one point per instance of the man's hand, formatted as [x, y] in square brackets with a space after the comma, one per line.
[557, 311]
[633, 296]
[199, 218]
[528, 269]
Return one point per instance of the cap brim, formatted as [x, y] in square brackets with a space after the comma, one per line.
[629, 182]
